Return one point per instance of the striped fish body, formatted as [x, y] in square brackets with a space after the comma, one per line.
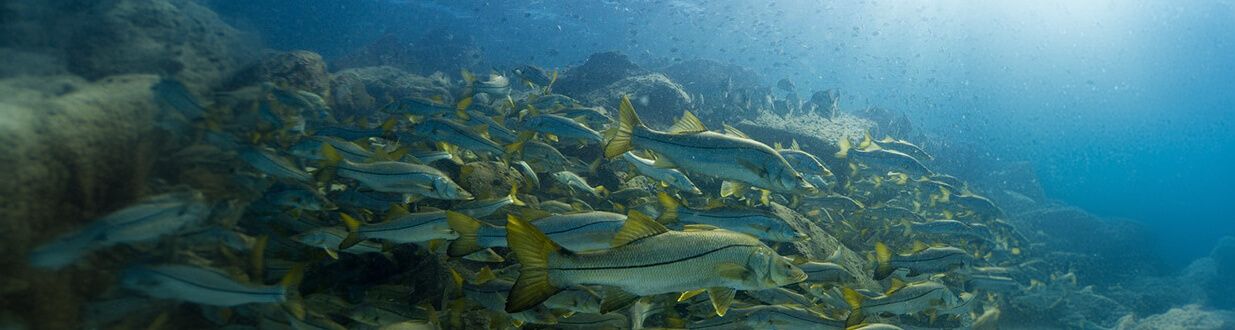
[913, 298]
[562, 127]
[826, 272]
[444, 130]
[670, 176]
[723, 156]
[804, 162]
[274, 165]
[198, 285]
[891, 160]
[758, 223]
[932, 260]
[410, 228]
[399, 177]
[665, 263]
[329, 238]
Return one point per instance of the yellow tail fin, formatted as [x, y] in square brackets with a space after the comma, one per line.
[670, 214]
[884, 258]
[532, 248]
[844, 146]
[628, 120]
[467, 227]
[353, 236]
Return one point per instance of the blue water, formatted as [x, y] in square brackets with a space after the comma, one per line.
[1124, 109]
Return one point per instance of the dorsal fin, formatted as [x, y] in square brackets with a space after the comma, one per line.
[730, 130]
[776, 146]
[795, 145]
[887, 139]
[637, 226]
[688, 124]
[866, 141]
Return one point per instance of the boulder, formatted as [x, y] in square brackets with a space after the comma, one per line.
[1222, 293]
[441, 50]
[298, 69]
[1188, 317]
[1093, 246]
[600, 70]
[176, 38]
[74, 150]
[657, 99]
[362, 91]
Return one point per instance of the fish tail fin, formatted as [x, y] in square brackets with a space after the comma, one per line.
[532, 248]
[292, 301]
[514, 196]
[353, 234]
[330, 164]
[628, 120]
[908, 227]
[854, 299]
[883, 256]
[844, 146]
[467, 227]
[671, 205]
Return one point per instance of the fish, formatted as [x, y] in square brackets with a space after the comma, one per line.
[300, 198]
[691, 147]
[485, 207]
[147, 220]
[418, 227]
[770, 317]
[904, 147]
[666, 176]
[992, 283]
[496, 84]
[825, 272]
[311, 149]
[574, 182]
[496, 130]
[542, 157]
[330, 238]
[923, 260]
[577, 232]
[475, 139]
[884, 159]
[646, 259]
[495, 294]
[946, 227]
[269, 162]
[591, 116]
[780, 296]
[422, 108]
[758, 223]
[590, 321]
[533, 180]
[560, 128]
[533, 74]
[204, 286]
[398, 177]
[901, 299]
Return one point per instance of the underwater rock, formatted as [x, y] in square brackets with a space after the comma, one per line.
[1188, 317]
[722, 87]
[299, 69]
[177, 38]
[600, 70]
[74, 150]
[658, 99]
[362, 91]
[440, 50]
[18, 62]
[888, 122]
[823, 246]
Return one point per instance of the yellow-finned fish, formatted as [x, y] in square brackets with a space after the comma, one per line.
[646, 259]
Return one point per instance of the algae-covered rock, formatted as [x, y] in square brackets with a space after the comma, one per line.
[361, 91]
[177, 38]
[600, 70]
[73, 151]
[1188, 317]
[299, 69]
[823, 246]
[657, 99]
